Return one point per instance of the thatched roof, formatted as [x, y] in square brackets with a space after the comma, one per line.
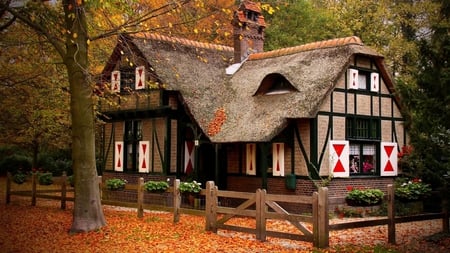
[225, 106]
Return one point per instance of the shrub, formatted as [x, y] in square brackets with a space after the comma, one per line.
[156, 186]
[19, 178]
[45, 178]
[115, 184]
[15, 163]
[413, 189]
[364, 197]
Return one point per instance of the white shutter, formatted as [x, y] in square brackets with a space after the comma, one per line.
[339, 158]
[118, 156]
[278, 159]
[352, 79]
[140, 78]
[374, 82]
[115, 81]
[388, 159]
[144, 156]
[250, 156]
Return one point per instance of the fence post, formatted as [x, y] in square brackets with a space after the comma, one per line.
[33, 188]
[8, 187]
[63, 190]
[260, 203]
[323, 220]
[315, 216]
[210, 207]
[176, 201]
[140, 198]
[391, 213]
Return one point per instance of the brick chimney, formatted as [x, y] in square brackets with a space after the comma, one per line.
[248, 30]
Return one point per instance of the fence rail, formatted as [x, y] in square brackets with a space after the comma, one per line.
[259, 206]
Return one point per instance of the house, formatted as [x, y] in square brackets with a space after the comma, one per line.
[284, 120]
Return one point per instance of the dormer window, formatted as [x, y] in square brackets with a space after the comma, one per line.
[251, 15]
[127, 78]
[274, 84]
[361, 79]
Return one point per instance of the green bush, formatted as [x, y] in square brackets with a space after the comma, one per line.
[156, 186]
[364, 197]
[45, 178]
[15, 163]
[115, 184]
[19, 178]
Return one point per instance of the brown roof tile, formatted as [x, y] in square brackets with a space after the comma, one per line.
[310, 46]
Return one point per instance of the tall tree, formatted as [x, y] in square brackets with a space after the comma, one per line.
[64, 25]
[428, 102]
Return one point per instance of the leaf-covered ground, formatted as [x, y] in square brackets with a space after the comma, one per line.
[44, 228]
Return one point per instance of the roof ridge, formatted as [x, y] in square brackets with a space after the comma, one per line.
[306, 47]
[183, 41]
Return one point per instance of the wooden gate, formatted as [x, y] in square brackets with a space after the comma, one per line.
[262, 206]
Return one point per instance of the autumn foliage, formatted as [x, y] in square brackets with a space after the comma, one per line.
[44, 228]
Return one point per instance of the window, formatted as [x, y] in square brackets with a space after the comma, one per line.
[127, 79]
[364, 80]
[364, 137]
[133, 134]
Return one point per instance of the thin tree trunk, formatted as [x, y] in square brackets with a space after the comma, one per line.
[88, 213]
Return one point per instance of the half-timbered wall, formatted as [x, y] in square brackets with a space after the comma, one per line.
[345, 102]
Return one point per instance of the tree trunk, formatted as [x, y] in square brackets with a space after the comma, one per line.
[87, 214]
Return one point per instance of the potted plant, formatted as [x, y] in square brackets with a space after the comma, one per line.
[364, 196]
[190, 187]
[407, 190]
[115, 184]
[156, 186]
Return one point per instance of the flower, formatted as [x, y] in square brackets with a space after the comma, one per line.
[193, 186]
[364, 197]
[115, 183]
[411, 189]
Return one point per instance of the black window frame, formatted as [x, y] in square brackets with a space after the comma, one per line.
[363, 132]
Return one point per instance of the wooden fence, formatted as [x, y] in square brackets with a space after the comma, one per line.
[59, 191]
[259, 206]
[262, 206]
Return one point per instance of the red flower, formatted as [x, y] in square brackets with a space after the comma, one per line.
[349, 188]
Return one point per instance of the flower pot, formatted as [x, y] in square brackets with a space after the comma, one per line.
[352, 202]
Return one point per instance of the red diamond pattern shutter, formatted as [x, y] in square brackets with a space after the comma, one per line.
[118, 156]
[250, 156]
[144, 156]
[115, 81]
[140, 78]
[278, 159]
[388, 159]
[189, 157]
[339, 158]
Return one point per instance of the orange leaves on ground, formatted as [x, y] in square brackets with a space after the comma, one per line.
[45, 229]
